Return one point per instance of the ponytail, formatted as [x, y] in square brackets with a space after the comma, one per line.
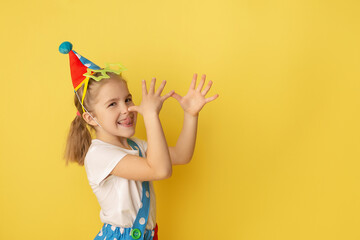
[79, 136]
[78, 141]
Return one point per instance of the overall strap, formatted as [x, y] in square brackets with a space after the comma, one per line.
[138, 228]
[134, 145]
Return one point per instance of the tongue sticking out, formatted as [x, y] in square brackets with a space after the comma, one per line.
[126, 121]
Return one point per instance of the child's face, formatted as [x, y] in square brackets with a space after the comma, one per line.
[112, 113]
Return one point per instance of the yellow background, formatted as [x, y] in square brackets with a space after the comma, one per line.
[277, 154]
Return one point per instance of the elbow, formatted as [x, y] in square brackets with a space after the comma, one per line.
[187, 161]
[167, 173]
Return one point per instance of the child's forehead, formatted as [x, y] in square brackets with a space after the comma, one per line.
[113, 89]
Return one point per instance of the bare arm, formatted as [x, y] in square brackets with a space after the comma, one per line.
[191, 103]
[157, 164]
[185, 145]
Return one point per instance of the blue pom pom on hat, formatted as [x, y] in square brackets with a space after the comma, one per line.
[65, 47]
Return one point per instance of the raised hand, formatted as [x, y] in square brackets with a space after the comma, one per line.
[195, 99]
[151, 101]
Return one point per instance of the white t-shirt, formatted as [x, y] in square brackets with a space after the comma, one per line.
[119, 198]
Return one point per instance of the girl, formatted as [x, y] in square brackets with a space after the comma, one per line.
[120, 168]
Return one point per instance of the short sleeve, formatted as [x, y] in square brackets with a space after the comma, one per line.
[100, 161]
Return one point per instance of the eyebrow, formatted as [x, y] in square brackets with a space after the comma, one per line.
[114, 99]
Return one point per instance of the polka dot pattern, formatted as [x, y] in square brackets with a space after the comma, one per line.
[86, 62]
[107, 231]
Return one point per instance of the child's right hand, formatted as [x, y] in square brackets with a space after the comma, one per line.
[151, 102]
[156, 164]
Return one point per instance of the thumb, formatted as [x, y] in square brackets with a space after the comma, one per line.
[176, 96]
[133, 109]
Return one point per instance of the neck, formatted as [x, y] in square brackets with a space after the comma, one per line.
[114, 140]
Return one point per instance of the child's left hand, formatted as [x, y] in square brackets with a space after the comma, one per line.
[195, 99]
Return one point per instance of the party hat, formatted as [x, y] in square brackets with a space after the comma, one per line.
[83, 69]
[78, 64]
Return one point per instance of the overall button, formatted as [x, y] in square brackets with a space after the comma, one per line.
[135, 233]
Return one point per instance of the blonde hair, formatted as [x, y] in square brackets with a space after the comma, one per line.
[80, 133]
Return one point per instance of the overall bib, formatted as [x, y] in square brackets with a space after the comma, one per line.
[137, 231]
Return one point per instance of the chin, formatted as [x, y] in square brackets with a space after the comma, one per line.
[129, 133]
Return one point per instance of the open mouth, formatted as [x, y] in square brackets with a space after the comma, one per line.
[127, 122]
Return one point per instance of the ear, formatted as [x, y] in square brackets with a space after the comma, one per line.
[86, 116]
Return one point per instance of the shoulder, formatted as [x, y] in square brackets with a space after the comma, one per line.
[101, 150]
[96, 146]
[101, 159]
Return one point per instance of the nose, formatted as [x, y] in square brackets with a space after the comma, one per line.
[124, 108]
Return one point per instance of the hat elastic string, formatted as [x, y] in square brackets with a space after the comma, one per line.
[86, 109]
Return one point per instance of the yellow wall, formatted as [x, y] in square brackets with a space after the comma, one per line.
[277, 154]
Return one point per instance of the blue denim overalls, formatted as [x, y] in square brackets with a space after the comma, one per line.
[137, 231]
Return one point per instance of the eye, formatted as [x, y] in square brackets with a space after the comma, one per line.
[111, 104]
[128, 100]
